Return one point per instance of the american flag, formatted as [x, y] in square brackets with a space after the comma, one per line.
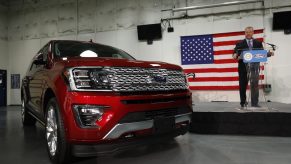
[210, 58]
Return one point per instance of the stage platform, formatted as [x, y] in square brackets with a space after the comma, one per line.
[271, 119]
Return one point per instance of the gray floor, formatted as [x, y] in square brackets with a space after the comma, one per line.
[20, 145]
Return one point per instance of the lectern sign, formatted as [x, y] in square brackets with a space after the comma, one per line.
[255, 56]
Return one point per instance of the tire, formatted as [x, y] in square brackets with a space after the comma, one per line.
[59, 150]
[27, 119]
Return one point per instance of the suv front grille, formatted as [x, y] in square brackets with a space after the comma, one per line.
[126, 79]
[161, 113]
[156, 100]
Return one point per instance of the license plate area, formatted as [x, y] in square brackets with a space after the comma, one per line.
[164, 124]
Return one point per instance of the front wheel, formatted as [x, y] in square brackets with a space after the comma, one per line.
[58, 149]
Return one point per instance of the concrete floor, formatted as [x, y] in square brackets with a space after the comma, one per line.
[20, 145]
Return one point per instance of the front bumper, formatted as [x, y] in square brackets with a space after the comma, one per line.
[114, 123]
[87, 150]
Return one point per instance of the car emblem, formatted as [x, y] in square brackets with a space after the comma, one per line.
[159, 78]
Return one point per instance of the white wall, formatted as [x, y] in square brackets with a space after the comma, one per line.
[3, 54]
[3, 38]
[114, 22]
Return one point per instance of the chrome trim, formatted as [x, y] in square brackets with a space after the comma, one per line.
[34, 116]
[183, 117]
[120, 129]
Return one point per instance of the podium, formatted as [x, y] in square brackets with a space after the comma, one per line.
[252, 59]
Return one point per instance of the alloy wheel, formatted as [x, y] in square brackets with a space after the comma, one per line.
[22, 110]
[52, 130]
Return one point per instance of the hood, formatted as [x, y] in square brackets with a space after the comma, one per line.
[111, 62]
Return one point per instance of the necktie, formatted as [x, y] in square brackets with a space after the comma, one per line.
[250, 44]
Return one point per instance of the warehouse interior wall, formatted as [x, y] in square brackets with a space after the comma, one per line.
[3, 37]
[32, 23]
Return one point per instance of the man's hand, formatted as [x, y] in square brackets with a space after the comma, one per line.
[235, 56]
[270, 53]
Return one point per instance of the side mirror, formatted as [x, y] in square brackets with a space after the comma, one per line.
[191, 75]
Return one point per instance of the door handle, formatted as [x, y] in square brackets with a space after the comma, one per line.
[29, 77]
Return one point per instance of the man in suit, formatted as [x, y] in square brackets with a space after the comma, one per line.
[248, 43]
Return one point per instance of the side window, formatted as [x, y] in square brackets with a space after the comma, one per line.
[45, 52]
[33, 67]
[118, 56]
[42, 55]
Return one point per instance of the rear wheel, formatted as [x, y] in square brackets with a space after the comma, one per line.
[58, 149]
[27, 119]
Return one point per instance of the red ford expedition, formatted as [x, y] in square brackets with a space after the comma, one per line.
[95, 99]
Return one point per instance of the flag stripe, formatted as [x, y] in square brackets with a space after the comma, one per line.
[235, 78]
[207, 70]
[199, 79]
[204, 70]
[234, 87]
[214, 83]
[216, 74]
[225, 43]
[231, 42]
[223, 61]
[220, 74]
[235, 33]
[228, 56]
[223, 52]
[219, 48]
[205, 66]
[239, 37]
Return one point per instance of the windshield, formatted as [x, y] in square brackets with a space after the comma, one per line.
[83, 49]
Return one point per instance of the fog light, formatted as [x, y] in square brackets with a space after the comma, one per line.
[88, 115]
[131, 135]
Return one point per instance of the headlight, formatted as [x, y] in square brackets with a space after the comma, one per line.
[88, 116]
[86, 79]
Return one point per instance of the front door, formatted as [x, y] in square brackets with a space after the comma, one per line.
[3, 87]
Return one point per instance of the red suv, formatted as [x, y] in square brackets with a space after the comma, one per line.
[95, 99]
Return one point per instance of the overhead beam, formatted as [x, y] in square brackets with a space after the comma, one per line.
[213, 5]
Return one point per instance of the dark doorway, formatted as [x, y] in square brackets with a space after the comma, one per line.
[3, 88]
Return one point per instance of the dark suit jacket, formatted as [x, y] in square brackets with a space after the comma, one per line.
[243, 46]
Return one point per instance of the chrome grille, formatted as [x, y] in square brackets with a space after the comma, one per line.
[145, 79]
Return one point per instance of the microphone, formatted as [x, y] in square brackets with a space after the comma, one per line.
[272, 45]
